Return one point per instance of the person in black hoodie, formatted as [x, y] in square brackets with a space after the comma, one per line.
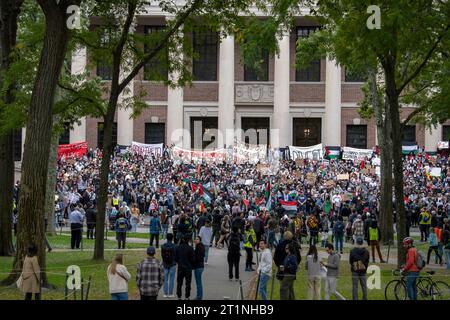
[185, 258]
[359, 261]
[199, 266]
[234, 253]
[91, 214]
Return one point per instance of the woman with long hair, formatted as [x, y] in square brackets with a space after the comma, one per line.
[224, 231]
[118, 277]
[31, 275]
[313, 266]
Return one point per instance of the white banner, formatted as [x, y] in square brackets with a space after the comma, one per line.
[312, 153]
[443, 145]
[142, 148]
[356, 154]
[198, 156]
[249, 153]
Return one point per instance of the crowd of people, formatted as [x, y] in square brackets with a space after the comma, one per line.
[249, 207]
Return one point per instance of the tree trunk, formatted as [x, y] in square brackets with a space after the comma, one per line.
[6, 193]
[104, 173]
[384, 142]
[38, 139]
[9, 12]
[394, 111]
[51, 184]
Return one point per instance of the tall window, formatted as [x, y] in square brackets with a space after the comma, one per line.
[104, 67]
[18, 145]
[351, 76]
[155, 133]
[205, 64]
[101, 134]
[64, 138]
[156, 69]
[409, 135]
[312, 72]
[261, 73]
[357, 136]
[446, 133]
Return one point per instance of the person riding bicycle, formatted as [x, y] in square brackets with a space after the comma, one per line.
[410, 268]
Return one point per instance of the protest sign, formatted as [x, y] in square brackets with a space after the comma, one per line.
[72, 150]
[343, 176]
[356, 154]
[147, 149]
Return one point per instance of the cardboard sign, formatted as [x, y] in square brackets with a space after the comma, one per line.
[365, 171]
[300, 162]
[343, 176]
[249, 182]
[297, 174]
[330, 184]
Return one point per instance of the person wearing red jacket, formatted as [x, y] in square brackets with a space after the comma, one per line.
[411, 268]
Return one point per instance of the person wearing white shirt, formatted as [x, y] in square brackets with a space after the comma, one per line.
[118, 277]
[264, 269]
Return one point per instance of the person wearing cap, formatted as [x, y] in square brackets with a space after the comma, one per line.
[149, 276]
[359, 261]
[410, 268]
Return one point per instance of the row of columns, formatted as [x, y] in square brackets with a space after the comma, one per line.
[281, 122]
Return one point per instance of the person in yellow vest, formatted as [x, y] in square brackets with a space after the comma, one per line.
[424, 224]
[374, 240]
[115, 202]
[250, 241]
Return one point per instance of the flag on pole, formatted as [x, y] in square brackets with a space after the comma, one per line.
[207, 196]
[267, 191]
[269, 203]
[289, 205]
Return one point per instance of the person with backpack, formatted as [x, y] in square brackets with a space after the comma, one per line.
[149, 276]
[234, 254]
[185, 258]
[199, 266]
[249, 243]
[338, 234]
[122, 226]
[359, 261]
[155, 229]
[424, 224]
[358, 228]
[313, 226]
[374, 240]
[433, 246]
[312, 264]
[414, 262]
[170, 266]
[289, 271]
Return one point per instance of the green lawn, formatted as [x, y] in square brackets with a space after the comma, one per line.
[345, 282]
[57, 264]
[63, 242]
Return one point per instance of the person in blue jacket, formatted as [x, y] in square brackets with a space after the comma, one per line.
[155, 229]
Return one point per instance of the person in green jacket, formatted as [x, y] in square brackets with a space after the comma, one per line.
[250, 239]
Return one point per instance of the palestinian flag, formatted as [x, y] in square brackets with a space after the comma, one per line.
[246, 202]
[289, 205]
[207, 196]
[332, 152]
[259, 201]
[267, 191]
[269, 204]
[193, 187]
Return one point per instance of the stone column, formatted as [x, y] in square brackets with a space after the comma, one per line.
[332, 121]
[79, 58]
[175, 134]
[226, 92]
[432, 137]
[281, 118]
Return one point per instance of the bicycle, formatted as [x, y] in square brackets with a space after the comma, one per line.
[427, 288]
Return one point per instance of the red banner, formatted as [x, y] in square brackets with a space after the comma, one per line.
[76, 150]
